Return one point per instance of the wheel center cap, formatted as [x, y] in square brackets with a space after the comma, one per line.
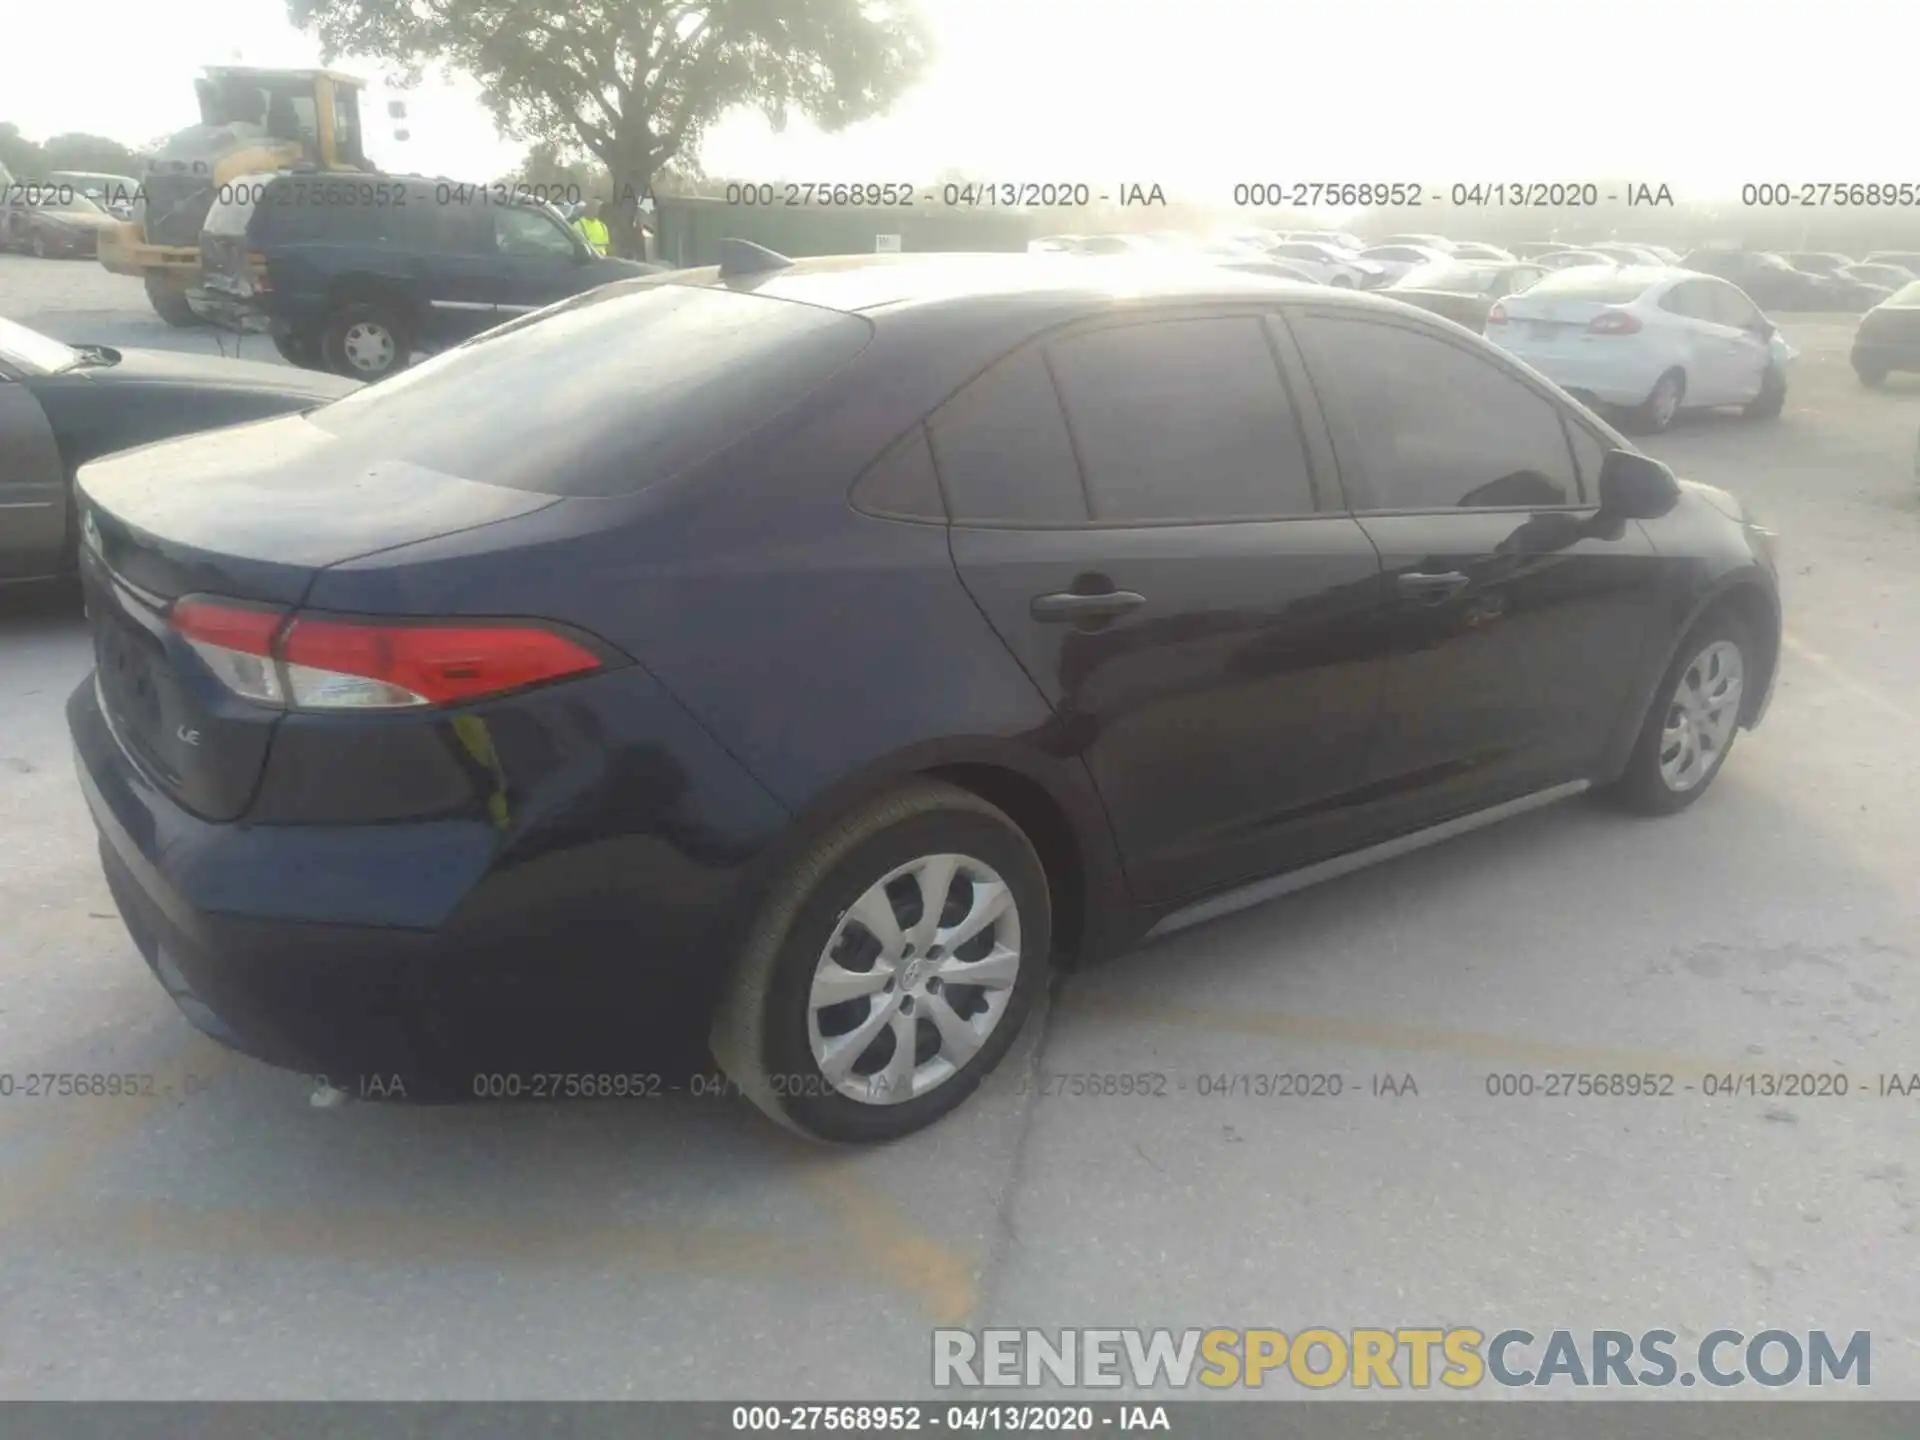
[910, 976]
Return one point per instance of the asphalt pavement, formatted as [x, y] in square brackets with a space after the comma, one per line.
[224, 1238]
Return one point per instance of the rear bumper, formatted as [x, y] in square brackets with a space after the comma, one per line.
[430, 951]
[1620, 379]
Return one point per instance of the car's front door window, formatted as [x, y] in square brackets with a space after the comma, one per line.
[530, 235]
[1424, 425]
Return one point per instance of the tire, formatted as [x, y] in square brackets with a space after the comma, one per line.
[1871, 376]
[366, 340]
[1655, 413]
[1646, 786]
[1341, 282]
[1772, 398]
[169, 302]
[769, 1037]
[40, 247]
[301, 350]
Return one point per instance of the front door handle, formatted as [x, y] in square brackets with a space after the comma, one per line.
[1071, 605]
[1432, 588]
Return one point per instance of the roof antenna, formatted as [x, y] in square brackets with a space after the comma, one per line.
[743, 257]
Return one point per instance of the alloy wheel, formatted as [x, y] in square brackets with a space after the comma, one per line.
[1701, 715]
[914, 979]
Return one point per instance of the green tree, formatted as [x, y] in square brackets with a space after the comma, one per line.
[90, 152]
[22, 158]
[636, 83]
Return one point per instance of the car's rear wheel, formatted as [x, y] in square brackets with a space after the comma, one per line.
[1772, 398]
[1341, 282]
[1872, 376]
[890, 969]
[40, 251]
[1690, 728]
[365, 341]
[1655, 413]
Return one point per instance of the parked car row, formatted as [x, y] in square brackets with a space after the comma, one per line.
[1798, 280]
[1632, 329]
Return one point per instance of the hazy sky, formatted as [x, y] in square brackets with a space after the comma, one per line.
[1197, 94]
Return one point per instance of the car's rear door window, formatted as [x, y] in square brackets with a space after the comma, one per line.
[1003, 451]
[1183, 420]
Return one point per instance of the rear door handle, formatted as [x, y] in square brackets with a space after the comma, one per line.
[1072, 605]
[1432, 588]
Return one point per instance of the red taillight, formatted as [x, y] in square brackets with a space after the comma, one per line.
[1497, 315]
[232, 627]
[319, 664]
[1614, 322]
[347, 664]
[236, 642]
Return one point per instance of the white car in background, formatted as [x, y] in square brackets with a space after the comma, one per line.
[1339, 239]
[1116, 245]
[1573, 257]
[1329, 264]
[1624, 254]
[1396, 260]
[1649, 340]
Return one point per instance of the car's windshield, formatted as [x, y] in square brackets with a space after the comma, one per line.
[33, 352]
[1908, 294]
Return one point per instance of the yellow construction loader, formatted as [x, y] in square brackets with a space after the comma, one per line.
[251, 120]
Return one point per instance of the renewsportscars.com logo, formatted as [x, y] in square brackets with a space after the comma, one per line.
[1460, 1358]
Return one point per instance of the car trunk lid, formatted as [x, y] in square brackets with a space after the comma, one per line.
[1543, 320]
[249, 514]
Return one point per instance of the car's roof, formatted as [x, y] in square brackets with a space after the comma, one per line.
[863, 284]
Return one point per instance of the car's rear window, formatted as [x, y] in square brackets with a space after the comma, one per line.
[604, 394]
[1592, 282]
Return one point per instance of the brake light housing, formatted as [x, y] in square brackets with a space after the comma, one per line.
[304, 661]
[1614, 322]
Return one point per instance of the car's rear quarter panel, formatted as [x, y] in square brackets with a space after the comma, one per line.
[831, 652]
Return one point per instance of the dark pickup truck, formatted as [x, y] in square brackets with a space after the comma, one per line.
[354, 273]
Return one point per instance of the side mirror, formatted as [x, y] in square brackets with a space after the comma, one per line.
[1636, 487]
